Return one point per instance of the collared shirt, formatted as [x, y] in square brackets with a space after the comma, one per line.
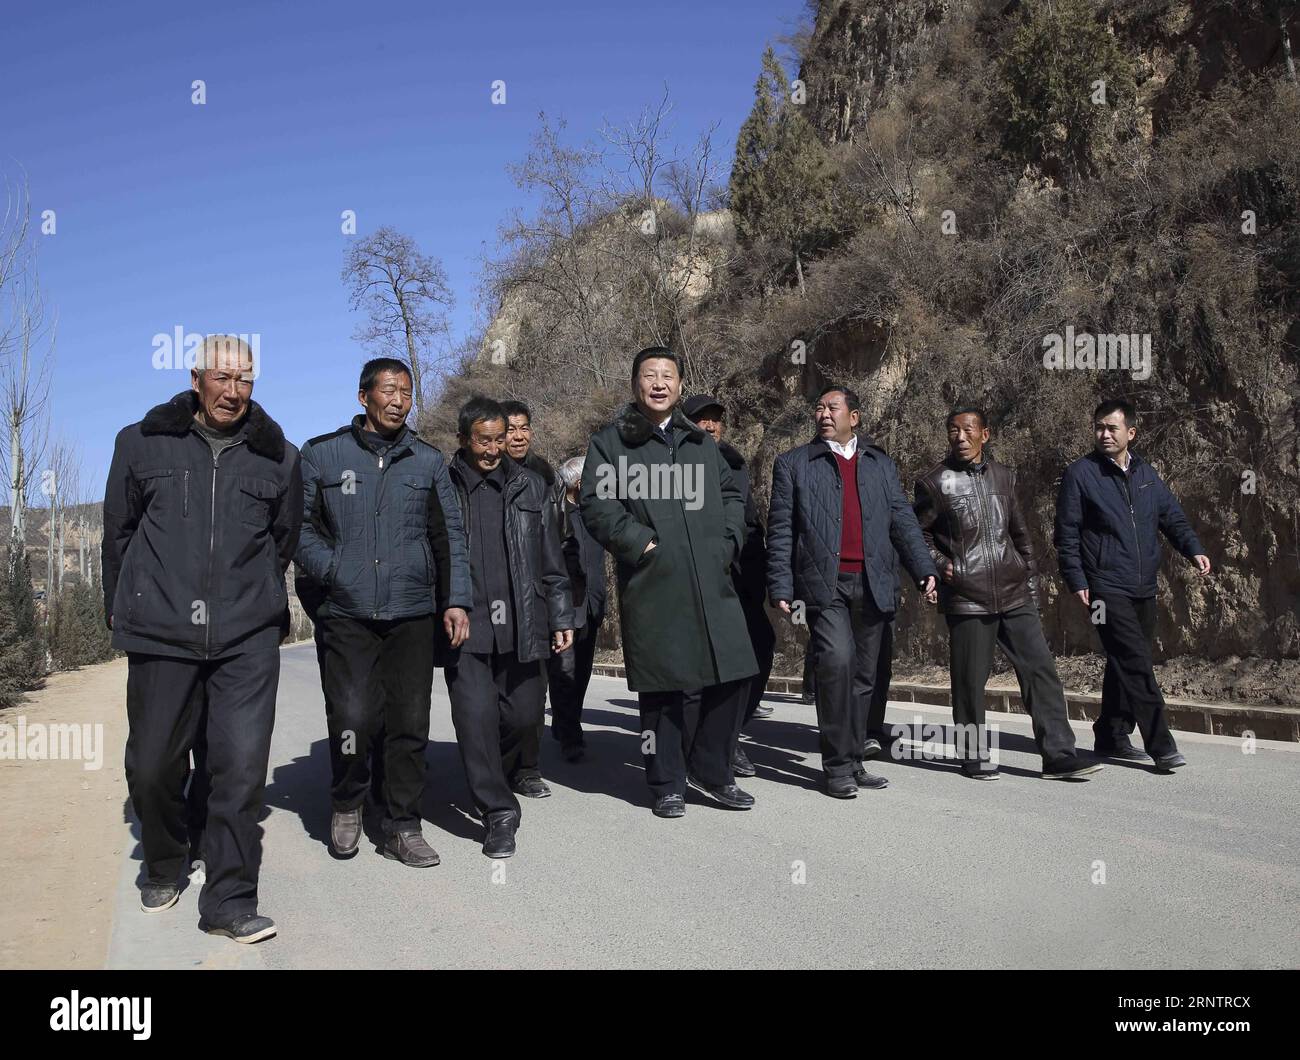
[665, 431]
[1124, 469]
[493, 627]
[846, 450]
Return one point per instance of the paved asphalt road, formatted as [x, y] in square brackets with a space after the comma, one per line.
[1201, 868]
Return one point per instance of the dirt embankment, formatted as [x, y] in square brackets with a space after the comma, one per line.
[61, 834]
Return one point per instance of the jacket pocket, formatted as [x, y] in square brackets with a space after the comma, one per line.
[157, 489]
[256, 497]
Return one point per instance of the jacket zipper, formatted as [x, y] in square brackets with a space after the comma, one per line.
[1132, 518]
[212, 544]
[987, 534]
[185, 504]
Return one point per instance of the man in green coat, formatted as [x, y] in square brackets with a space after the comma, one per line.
[657, 493]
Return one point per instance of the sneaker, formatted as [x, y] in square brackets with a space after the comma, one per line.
[871, 748]
[727, 795]
[246, 928]
[1122, 754]
[670, 806]
[763, 711]
[980, 774]
[154, 898]
[1071, 768]
[1170, 762]
[863, 779]
[531, 787]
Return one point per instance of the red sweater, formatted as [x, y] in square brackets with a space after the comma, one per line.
[851, 517]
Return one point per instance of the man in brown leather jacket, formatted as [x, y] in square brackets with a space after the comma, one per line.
[966, 505]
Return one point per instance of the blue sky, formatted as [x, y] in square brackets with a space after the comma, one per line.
[226, 216]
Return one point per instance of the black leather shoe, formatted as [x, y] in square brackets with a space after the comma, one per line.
[1071, 768]
[1122, 754]
[670, 806]
[1171, 762]
[727, 795]
[871, 748]
[762, 711]
[863, 779]
[573, 752]
[246, 928]
[345, 832]
[501, 828]
[154, 898]
[845, 787]
[531, 787]
[741, 765]
[410, 849]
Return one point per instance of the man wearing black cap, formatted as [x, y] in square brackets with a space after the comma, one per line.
[748, 572]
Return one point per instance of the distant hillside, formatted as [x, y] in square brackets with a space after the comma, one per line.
[1010, 172]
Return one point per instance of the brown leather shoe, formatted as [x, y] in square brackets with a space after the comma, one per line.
[410, 849]
[345, 832]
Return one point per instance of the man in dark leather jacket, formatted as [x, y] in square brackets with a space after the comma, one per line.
[967, 508]
[201, 517]
[522, 611]
[519, 447]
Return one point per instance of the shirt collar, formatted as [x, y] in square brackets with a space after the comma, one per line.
[1126, 470]
[846, 450]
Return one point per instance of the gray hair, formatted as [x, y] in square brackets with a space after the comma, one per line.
[571, 472]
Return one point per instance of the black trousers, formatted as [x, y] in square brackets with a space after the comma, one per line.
[377, 677]
[1130, 696]
[763, 641]
[847, 637]
[570, 673]
[670, 748]
[496, 701]
[164, 716]
[970, 653]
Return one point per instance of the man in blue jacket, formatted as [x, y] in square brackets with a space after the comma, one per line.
[382, 553]
[838, 516]
[1110, 511]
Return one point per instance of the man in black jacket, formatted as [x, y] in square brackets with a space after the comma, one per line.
[522, 612]
[748, 572]
[1110, 512]
[382, 553]
[201, 517]
[519, 447]
[570, 671]
[968, 511]
[838, 516]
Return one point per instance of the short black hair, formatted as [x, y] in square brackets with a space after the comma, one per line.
[650, 353]
[850, 398]
[1116, 405]
[966, 410]
[371, 370]
[478, 409]
[517, 408]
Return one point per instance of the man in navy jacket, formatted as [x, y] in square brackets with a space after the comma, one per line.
[837, 520]
[382, 562]
[1110, 511]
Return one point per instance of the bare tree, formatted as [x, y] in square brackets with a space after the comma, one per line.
[405, 297]
[27, 341]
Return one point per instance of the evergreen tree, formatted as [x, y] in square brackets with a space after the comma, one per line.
[22, 647]
[78, 635]
[784, 186]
